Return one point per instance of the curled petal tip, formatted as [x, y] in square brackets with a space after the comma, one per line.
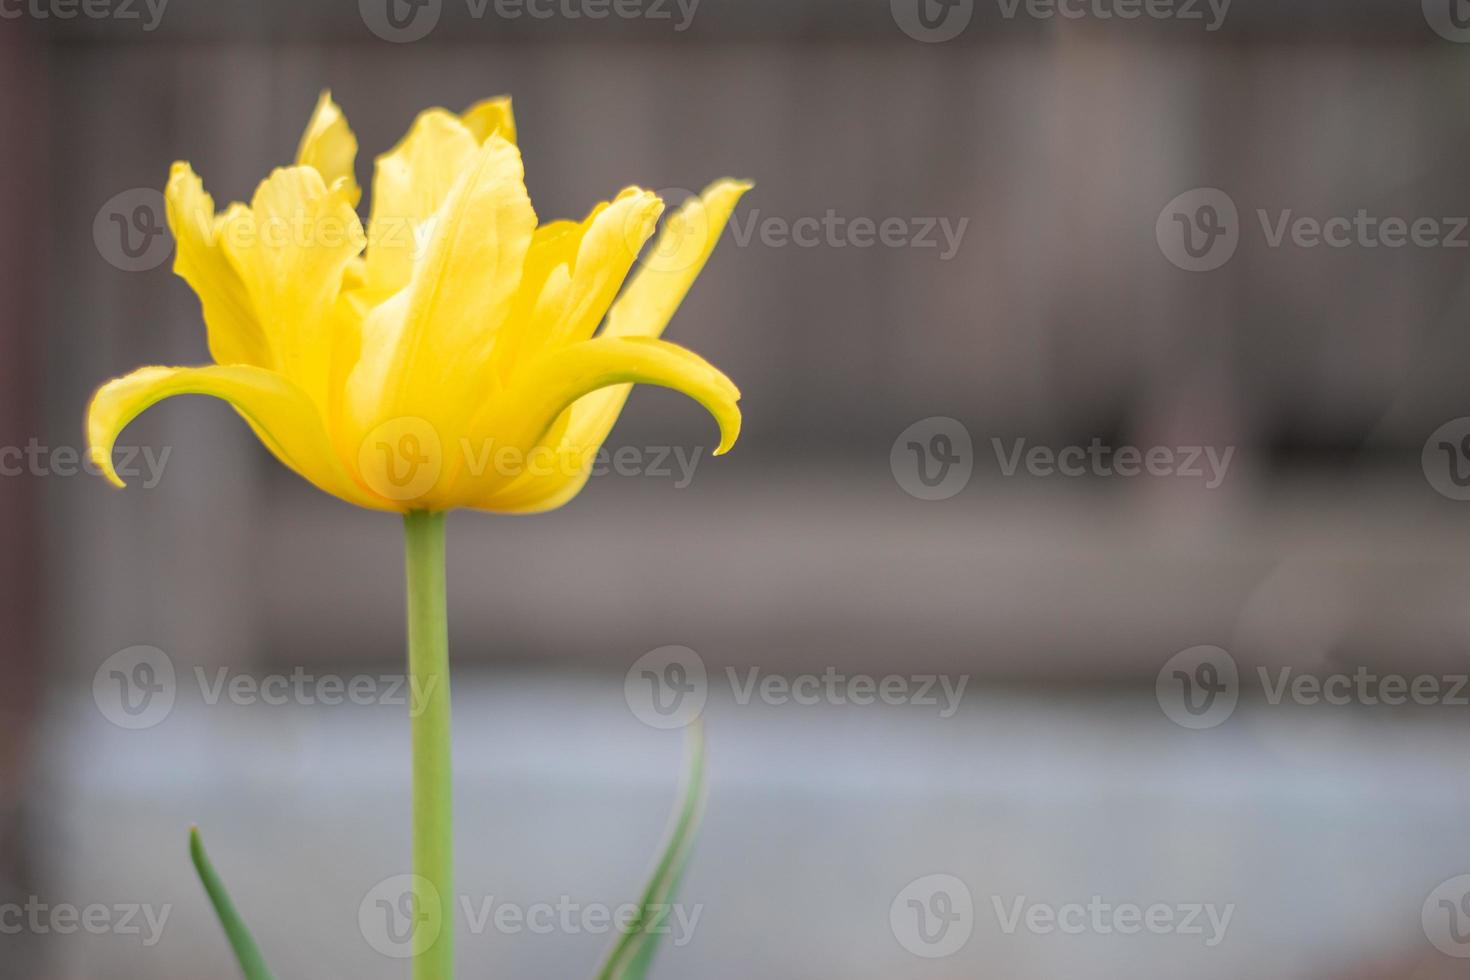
[284, 417]
[99, 443]
[103, 462]
[729, 433]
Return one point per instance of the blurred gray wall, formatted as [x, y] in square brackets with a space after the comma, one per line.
[1057, 319]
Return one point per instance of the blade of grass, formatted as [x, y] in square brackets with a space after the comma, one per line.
[251, 962]
[631, 957]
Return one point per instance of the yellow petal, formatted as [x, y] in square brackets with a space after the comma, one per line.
[572, 272]
[425, 352]
[491, 117]
[542, 296]
[281, 414]
[644, 309]
[329, 146]
[522, 415]
[605, 253]
[553, 245]
[292, 248]
[235, 336]
[410, 184]
[682, 249]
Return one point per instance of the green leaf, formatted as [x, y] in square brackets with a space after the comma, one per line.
[633, 954]
[251, 962]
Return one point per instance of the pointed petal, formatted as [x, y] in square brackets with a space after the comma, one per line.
[541, 391]
[491, 117]
[425, 352]
[542, 296]
[292, 248]
[281, 414]
[572, 272]
[329, 146]
[644, 310]
[410, 184]
[235, 335]
[605, 253]
[682, 249]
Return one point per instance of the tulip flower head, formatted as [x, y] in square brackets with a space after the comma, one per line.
[449, 353]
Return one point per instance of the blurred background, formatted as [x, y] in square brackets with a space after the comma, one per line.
[1110, 681]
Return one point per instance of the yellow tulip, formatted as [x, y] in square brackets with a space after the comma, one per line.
[448, 355]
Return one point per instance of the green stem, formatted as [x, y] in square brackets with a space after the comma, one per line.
[428, 670]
